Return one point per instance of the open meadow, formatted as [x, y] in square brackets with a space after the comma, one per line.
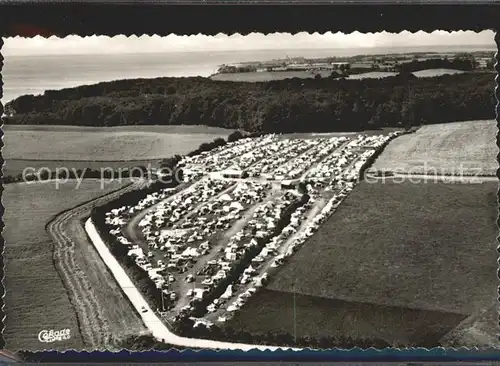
[29, 263]
[104, 144]
[421, 250]
[325, 317]
[461, 148]
[435, 72]
[14, 167]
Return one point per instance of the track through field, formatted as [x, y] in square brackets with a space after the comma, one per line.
[94, 326]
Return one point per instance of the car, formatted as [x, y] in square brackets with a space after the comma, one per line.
[144, 310]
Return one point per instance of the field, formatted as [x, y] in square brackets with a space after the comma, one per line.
[372, 75]
[321, 316]
[104, 144]
[37, 299]
[16, 166]
[280, 75]
[461, 148]
[391, 246]
[435, 72]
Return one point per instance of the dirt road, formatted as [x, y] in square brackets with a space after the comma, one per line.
[89, 287]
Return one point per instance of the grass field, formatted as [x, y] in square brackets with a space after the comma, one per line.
[104, 144]
[459, 148]
[427, 247]
[436, 72]
[16, 166]
[36, 298]
[318, 316]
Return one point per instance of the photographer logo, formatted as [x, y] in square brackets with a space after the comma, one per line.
[49, 336]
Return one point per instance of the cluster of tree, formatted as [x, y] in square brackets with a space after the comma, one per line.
[279, 106]
[207, 146]
[227, 334]
[335, 75]
[145, 342]
[490, 64]
[229, 69]
[457, 63]
[200, 306]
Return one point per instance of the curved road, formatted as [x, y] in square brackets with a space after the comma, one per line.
[151, 320]
[93, 325]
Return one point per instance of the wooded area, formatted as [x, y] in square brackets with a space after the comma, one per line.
[291, 105]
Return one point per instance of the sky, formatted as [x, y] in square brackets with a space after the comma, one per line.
[18, 46]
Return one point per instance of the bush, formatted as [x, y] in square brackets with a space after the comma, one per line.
[234, 136]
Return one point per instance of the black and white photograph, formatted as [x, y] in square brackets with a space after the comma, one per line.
[259, 191]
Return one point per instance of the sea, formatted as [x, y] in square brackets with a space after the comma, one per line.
[35, 74]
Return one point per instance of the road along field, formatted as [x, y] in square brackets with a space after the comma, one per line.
[241, 214]
[37, 299]
[155, 325]
[419, 257]
[461, 148]
[84, 147]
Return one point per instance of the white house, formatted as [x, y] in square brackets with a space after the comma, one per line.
[232, 173]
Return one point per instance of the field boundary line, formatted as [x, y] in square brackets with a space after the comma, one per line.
[54, 217]
[468, 321]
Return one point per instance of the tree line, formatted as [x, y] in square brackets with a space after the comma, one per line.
[279, 106]
[457, 63]
[226, 333]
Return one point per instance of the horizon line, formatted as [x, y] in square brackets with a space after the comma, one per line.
[479, 47]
